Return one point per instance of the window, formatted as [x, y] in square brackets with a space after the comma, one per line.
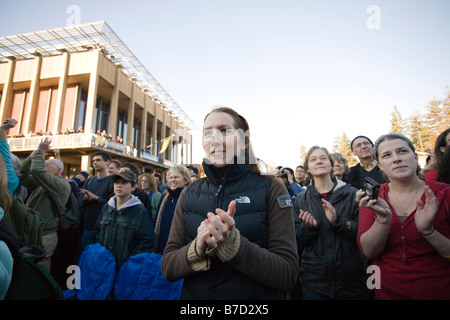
[101, 116]
[81, 110]
[136, 133]
[122, 125]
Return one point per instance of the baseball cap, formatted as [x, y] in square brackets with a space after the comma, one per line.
[126, 175]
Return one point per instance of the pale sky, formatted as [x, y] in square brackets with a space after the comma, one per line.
[301, 72]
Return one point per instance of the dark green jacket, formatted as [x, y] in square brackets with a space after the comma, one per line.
[43, 185]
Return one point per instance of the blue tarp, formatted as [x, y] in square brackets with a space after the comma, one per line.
[98, 270]
[140, 278]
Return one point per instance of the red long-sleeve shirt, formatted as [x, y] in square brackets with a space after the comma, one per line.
[410, 268]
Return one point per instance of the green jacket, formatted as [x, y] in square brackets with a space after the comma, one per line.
[24, 223]
[43, 185]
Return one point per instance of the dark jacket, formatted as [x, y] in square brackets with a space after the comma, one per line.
[331, 262]
[127, 231]
[357, 174]
[143, 197]
[104, 189]
[164, 217]
[266, 262]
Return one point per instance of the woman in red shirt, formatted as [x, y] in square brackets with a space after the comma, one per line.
[406, 231]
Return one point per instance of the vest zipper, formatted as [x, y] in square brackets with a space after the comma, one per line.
[219, 190]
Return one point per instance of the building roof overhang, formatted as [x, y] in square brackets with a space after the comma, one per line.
[89, 36]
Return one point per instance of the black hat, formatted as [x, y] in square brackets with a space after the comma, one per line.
[85, 174]
[126, 175]
[351, 143]
[194, 168]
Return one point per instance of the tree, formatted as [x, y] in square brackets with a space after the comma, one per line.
[342, 146]
[414, 131]
[436, 120]
[302, 154]
[397, 123]
[423, 129]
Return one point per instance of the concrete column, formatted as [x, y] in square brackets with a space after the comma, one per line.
[29, 116]
[92, 94]
[85, 163]
[114, 106]
[144, 125]
[60, 99]
[155, 135]
[7, 96]
[130, 117]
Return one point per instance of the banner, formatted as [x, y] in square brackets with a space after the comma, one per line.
[166, 142]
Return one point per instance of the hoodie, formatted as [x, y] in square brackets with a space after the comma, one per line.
[127, 231]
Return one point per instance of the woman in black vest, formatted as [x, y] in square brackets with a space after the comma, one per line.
[232, 235]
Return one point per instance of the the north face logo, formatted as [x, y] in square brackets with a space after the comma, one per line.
[243, 199]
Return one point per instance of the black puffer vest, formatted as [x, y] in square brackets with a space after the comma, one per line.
[251, 192]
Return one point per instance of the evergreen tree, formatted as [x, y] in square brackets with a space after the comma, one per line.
[302, 154]
[436, 119]
[342, 145]
[397, 123]
[415, 129]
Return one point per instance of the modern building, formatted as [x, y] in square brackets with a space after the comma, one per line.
[84, 89]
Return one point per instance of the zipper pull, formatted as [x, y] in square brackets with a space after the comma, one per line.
[218, 190]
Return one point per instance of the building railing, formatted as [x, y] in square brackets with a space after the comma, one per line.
[75, 140]
[83, 140]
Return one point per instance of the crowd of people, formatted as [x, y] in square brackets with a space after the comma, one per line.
[237, 233]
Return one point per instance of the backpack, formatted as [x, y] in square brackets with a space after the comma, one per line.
[26, 222]
[70, 220]
[29, 280]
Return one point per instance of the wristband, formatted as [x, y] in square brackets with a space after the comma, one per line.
[427, 234]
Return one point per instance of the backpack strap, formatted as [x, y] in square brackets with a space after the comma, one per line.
[54, 206]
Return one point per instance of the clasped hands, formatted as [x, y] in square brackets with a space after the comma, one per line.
[215, 230]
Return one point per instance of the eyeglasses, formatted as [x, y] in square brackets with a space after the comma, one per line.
[365, 144]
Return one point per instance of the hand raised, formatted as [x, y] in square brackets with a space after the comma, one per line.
[44, 146]
[426, 212]
[330, 211]
[9, 123]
